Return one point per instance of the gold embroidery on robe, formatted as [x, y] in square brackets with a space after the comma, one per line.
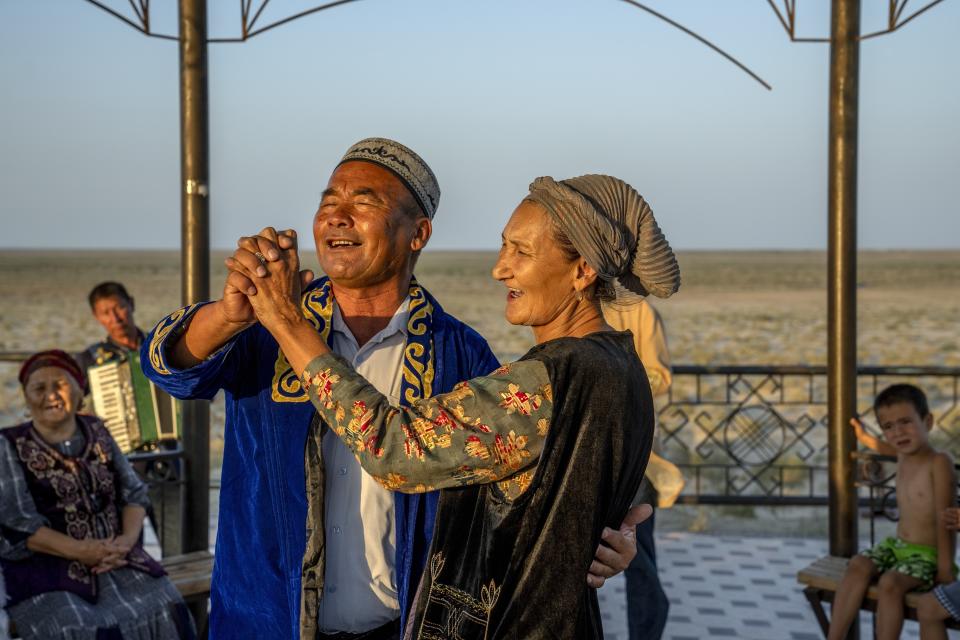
[164, 327]
[317, 307]
[452, 612]
[516, 485]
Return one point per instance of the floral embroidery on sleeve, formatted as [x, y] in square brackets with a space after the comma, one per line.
[488, 429]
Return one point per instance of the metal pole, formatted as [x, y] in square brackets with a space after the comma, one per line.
[842, 272]
[195, 251]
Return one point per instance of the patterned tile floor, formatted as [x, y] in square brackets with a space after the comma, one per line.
[722, 587]
[728, 587]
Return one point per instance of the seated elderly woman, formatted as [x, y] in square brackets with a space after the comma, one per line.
[536, 458]
[71, 514]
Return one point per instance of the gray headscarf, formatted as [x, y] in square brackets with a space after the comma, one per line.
[613, 228]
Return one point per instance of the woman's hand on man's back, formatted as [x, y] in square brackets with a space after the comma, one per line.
[618, 548]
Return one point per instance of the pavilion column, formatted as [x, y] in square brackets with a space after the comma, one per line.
[195, 264]
[842, 272]
[195, 251]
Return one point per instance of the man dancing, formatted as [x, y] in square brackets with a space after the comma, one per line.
[329, 554]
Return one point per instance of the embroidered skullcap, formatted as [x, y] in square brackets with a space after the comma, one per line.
[52, 358]
[415, 174]
[613, 228]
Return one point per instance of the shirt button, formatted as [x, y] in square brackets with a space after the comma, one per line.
[343, 471]
[337, 530]
[332, 588]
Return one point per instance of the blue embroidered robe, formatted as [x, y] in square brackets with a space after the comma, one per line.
[261, 535]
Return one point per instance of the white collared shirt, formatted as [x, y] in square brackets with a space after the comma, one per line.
[360, 583]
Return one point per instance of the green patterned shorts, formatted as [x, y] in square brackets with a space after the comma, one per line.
[915, 560]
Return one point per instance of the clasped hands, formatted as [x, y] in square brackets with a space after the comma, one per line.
[264, 280]
[104, 555]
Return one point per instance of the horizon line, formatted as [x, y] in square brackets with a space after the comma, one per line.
[494, 250]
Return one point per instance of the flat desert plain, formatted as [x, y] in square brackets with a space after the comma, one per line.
[733, 308]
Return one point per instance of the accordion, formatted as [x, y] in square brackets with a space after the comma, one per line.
[135, 411]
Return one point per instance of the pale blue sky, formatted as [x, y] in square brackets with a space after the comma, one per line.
[492, 93]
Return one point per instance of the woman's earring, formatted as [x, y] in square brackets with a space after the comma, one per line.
[579, 296]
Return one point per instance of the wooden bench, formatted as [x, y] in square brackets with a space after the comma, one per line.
[822, 579]
[190, 573]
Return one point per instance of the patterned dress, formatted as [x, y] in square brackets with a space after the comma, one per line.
[132, 602]
[534, 460]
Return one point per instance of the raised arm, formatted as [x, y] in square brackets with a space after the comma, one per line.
[871, 442]
[944, 497]
[485, 430]
[215, 324]
[210, 329]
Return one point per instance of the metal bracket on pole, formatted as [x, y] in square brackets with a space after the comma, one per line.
[192, 187]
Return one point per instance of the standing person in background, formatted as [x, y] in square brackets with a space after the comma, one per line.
[647, 605]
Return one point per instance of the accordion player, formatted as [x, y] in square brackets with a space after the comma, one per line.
[136, 412]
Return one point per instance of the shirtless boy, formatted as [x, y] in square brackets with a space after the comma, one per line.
[922, 553]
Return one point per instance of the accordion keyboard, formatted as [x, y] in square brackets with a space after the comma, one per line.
[113, 401]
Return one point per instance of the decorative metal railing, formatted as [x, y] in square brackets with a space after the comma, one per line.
[164, 473]
[757, 435]
[742, 435]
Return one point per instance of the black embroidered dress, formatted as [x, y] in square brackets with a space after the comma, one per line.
[535, 460]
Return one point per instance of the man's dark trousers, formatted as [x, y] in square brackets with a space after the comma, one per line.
[647, 605]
